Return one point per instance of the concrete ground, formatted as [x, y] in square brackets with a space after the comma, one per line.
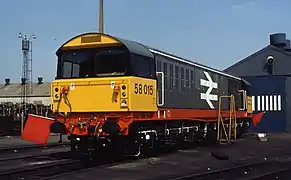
[191, 160]
[9, 141]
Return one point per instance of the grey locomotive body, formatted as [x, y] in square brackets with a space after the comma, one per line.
[188, 85]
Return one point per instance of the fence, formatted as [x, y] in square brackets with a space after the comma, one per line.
[11, 113]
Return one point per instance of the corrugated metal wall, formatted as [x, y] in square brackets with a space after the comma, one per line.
[268, 94]
[34, 100]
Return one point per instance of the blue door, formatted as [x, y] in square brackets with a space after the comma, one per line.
[268, 95]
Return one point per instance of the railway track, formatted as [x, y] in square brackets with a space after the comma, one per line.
[53, 168]
[24, 152]
[34, 155]
[266, 169]
[252, 171]
[41, 169]
[283, 174]
[29, 147]
[48, 168]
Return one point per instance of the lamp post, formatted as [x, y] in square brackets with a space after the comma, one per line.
[101, 18]
[26, 79]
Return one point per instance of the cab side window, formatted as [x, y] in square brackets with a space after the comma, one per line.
[142, 66]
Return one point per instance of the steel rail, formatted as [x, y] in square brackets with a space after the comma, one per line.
[237, 172]
[219, 173]
[27, 147]
[31, 155]
[241, 170]
[57, 168]
[277, 174]
[82, 170]
[34, 171]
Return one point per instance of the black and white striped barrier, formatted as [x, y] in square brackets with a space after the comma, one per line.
[267, 103]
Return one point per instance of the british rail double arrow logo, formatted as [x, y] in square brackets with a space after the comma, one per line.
[210, 84]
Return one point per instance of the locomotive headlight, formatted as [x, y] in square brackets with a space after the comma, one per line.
[147, 137]
[123, 94]
[123, 103]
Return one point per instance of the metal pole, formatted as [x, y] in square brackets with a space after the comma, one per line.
[22, 118]
[101, 23]
[27, 81]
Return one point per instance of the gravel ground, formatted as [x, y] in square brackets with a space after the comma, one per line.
[191, 160]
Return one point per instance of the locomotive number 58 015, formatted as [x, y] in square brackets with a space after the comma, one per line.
[143, 89]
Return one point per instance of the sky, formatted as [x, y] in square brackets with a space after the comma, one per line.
[216, 33]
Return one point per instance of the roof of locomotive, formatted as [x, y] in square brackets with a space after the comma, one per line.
[132, 46]
[177, 58]
[138, 48]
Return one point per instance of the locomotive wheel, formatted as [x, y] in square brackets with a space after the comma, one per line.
[73, 147]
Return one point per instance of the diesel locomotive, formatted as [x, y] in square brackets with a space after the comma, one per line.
[111, 92]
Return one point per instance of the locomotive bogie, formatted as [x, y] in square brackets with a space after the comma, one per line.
[155, 135]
